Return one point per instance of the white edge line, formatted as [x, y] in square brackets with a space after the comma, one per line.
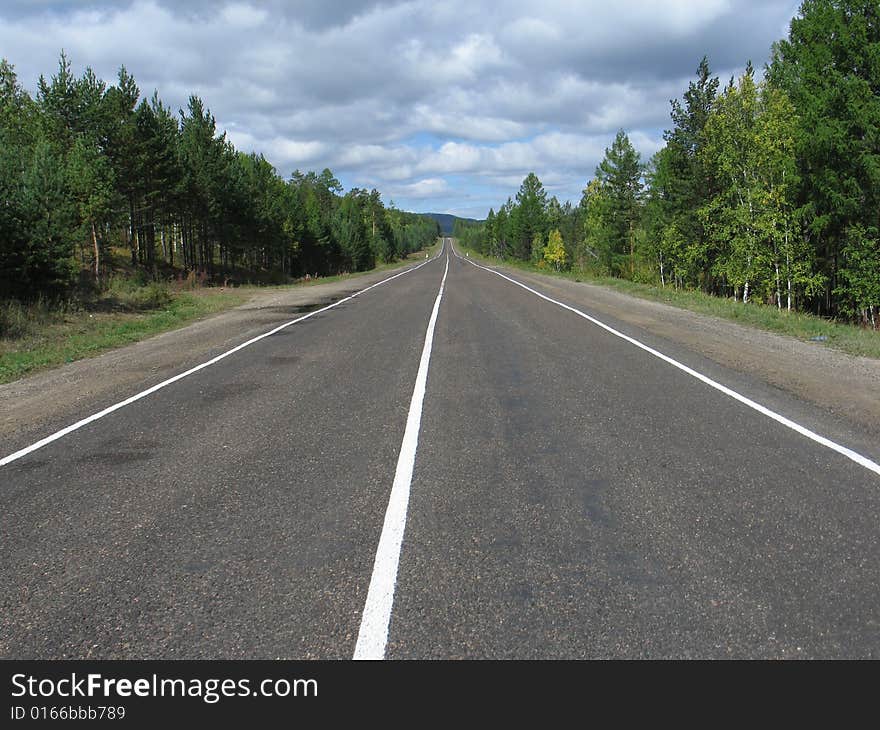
[376, 618]
[143, 394]
[787, 422]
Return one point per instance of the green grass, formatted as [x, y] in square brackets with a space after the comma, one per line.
[838, 335]
[40, 335]
[53, 336]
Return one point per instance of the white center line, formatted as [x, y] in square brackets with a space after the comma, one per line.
[788, 423]
[144, 393]
[373, 634]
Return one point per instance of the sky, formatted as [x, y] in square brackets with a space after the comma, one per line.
[441, 106]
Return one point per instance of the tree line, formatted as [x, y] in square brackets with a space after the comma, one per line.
[765, 190]
[88, 168]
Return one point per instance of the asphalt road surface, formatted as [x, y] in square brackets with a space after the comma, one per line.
[468, 471]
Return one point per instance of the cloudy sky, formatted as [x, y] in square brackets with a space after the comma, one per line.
[442, 106]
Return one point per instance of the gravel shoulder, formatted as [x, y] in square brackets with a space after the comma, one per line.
[844, 385]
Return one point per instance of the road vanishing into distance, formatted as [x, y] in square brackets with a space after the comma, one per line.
[449, 464]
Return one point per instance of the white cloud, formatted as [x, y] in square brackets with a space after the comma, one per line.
[242, 16]
[419, 98]
[432, 187]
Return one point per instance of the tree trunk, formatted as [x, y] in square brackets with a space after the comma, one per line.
[632, 257]
[97, 262]
[778, 290]
[133, 240]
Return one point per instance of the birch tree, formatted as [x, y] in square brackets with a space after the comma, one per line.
[731, 216]
[775, 143]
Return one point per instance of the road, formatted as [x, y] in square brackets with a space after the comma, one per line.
[465, 471]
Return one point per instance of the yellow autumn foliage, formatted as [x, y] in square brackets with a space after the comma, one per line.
[554, 251]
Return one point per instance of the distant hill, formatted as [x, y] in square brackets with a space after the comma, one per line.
[447, 221]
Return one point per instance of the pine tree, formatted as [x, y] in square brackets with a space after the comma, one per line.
[620, 175]
[91, 185]
[18, 113]
[49, 222]
[528, 217]
[59, 103]
[122, 149]
[687, 185]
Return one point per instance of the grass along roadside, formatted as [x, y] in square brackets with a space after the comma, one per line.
[38, 337]
[806, 327]
[53, 338]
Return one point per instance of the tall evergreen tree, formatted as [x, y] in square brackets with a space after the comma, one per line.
[687, 185]
[49, 223]
[529, 216]
[91, 185]
[122, 149]
[620, 176]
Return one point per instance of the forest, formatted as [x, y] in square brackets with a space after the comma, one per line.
[767, 188]
[92, 172]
